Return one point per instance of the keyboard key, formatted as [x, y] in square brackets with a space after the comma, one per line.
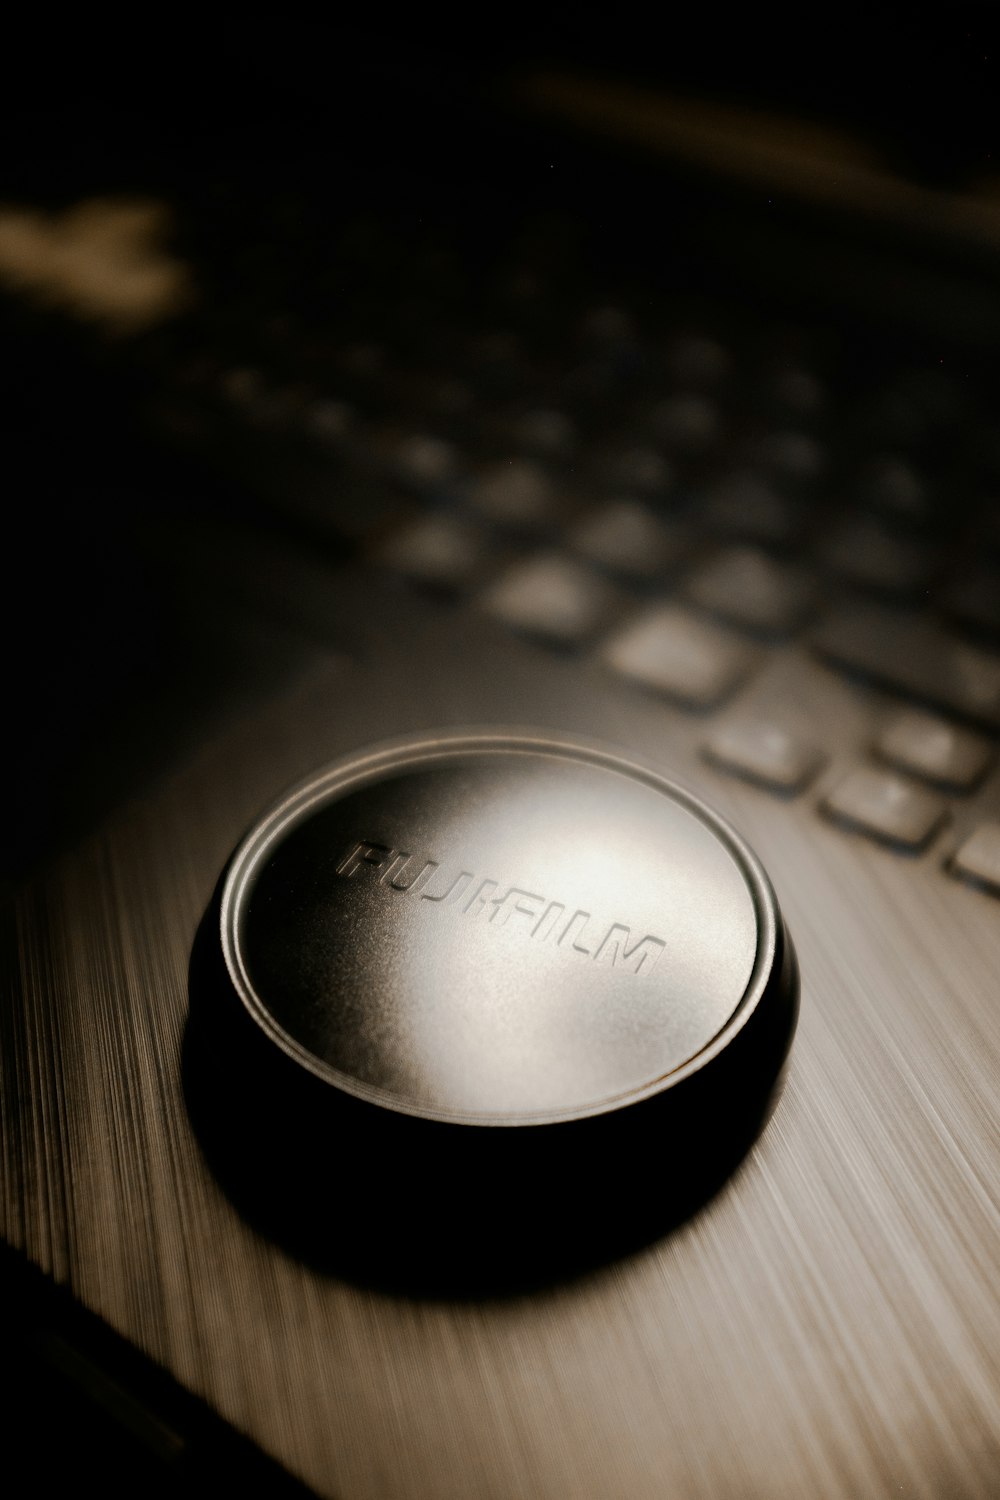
[886, 808]
[793, 456]
[797, 391]
[553, 598]
[765, 754]
[330, 421]
[748, 588]
[687, 425]
[547, 433]
[952, 758]
[896, 488]
[637, 470]
[442, 551]
[514, 494]
[669, 651]
[417, 459]
[425, 460]
[697, 362]
[913, 656]
[978, 859]
[866, 553]
[748, 507]
[444, 396]
[628, 539]
[243, 386]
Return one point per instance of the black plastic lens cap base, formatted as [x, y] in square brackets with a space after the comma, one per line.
[476, 1011]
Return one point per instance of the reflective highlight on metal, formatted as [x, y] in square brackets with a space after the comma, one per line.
[499, 930]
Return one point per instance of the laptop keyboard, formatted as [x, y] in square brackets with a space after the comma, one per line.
[674, 498]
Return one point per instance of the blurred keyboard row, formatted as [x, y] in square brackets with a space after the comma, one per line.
[673, 492]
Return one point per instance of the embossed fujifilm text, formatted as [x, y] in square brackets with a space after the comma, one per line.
[573, 930]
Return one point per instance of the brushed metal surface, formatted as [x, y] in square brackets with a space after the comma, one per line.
[827, 1325]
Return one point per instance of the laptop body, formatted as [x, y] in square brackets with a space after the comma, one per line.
[817, 393]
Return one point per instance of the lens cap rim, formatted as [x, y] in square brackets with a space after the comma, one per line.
[769, 972]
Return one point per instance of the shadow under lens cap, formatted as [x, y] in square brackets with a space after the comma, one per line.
[501, 930]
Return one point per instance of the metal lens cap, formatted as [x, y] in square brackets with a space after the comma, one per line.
[499, 930]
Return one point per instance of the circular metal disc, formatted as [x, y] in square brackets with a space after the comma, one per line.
[498, 930]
